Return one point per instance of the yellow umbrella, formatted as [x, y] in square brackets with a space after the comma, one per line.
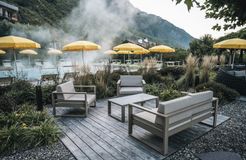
[161, 49]
[28, 52]
[2, 52]
[108, 52]
[53, 51]
[14, 42]
[81, 46]
[128, 47]
[234, 43]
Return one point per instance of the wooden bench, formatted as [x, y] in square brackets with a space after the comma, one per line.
[173, 116]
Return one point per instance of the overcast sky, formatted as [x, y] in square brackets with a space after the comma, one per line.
[193, 22]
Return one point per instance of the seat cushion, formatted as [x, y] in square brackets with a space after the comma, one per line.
[81, 97]
[131, 81]
[130, 90]
[65, 87]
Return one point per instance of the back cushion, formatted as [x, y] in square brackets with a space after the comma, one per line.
[240, 73]
[174, 104]
[201, 96]
[131, 81]
[65, 87]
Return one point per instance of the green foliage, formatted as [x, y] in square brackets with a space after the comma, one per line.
[152, 77]
[7, 104]
[169, 94]
[46, 93]
[26, 128]
[221, 91]
[22, 91]
[175, 72]
[202, 46]
[164, 91]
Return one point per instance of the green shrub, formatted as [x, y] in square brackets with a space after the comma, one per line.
[169, 94]
[22, 91]
[7, 104]
[221, 91]
[47, 92]
[164, 92]
[152, 77]
[175, 72]
[26, 128]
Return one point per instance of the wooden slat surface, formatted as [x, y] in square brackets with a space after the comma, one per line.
[100, 136]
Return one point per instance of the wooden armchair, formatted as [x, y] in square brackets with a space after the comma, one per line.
[66, 96]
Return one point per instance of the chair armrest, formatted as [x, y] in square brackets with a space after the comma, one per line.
[118, 82]
[183, 92]
[147, 110]
[86, 86]
[143, 82]
[55, 92]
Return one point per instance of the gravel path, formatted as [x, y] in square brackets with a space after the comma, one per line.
[229, 136]
[56, 151]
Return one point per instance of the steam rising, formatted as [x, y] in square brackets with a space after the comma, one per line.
[99, 21]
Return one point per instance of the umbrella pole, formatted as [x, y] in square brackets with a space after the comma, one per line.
[233, 59]
[15, 64]
[29, 60]
[83, 58]
[124, 59]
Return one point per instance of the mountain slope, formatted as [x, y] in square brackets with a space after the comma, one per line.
[52, 12]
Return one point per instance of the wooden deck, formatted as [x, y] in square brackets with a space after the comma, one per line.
[100, 136]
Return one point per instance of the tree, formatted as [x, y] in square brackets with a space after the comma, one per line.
[233, 12]
[202, 46]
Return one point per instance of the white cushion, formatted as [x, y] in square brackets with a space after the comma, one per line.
[174, 104]
[81, 97]
[201, 96]
[131, 81]
[130, 90]
[65, 87]
[240, 73]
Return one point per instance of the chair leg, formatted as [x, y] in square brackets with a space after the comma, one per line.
[165, 144]
[130, 120]
[86, 110]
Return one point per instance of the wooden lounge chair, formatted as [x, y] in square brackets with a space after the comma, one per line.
[66, 96]
[173, 116]
[130, 84]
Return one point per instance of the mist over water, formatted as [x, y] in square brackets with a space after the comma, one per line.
[99, 21]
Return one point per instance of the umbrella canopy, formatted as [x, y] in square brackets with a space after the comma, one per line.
[53, 51]
[81, 46]
[124, 52]
[128, 47]
[2, 52]
[110, 52]
[14, 42]
[144, 51]
[28, 51]
[235, 43]
[161, 49]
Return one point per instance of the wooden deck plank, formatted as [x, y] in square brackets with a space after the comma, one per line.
[102, 142]
[122, 133]
[100, 136]
[90, 142]
[126, 142]
[80, 143]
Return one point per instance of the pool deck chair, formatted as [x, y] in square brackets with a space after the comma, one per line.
[66, 96]
[130, 84]
[173, 116]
